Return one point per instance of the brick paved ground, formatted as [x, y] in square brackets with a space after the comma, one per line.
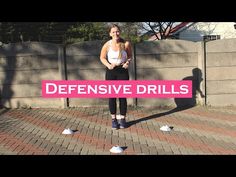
[197, 130]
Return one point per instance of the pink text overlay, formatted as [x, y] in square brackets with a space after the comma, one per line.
[117, 89]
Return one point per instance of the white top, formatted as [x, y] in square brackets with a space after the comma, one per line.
[113, 55]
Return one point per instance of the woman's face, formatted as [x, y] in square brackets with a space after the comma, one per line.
[115, 33]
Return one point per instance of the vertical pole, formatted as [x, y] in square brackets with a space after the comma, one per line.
[62, 69]
[200, 65]
[205, 72]
[135, 71]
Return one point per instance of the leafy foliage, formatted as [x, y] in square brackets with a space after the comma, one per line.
[63, 32]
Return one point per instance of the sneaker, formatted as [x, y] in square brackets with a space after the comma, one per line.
[115, 124]
[122, 123]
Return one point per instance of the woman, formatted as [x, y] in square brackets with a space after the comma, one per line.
[116, 56]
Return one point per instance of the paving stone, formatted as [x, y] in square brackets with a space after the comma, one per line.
[196, 131]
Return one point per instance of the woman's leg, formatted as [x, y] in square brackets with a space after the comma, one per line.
[123, 106]
[112, 106]
[123, 75]
[123, 111]
[110, 75]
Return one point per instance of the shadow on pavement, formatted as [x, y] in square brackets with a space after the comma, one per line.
[181, 103]
[158, 115]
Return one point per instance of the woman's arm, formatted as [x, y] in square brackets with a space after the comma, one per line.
[128, 49]
[103, 57]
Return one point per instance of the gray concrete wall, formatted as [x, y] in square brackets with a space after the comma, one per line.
[221, 72]
[22, 68]
[24, 65]
[83, 63]
[165, 60]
